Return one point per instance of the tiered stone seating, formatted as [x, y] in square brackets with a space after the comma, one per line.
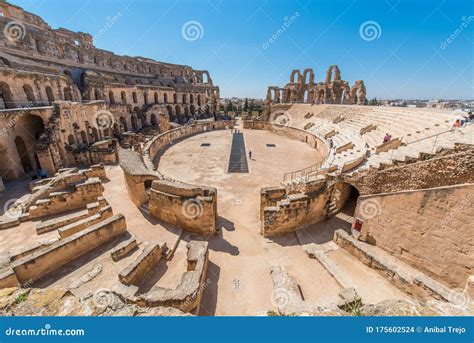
[410, 125]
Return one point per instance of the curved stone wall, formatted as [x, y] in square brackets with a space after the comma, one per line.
[290, 132]
[191, 207]
[286, 209]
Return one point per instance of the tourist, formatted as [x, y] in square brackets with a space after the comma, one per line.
[387, 138]
[456, 125]
[43, 174]
[250, 154]
[330, 143]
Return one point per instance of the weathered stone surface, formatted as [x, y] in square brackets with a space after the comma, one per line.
[58, 302]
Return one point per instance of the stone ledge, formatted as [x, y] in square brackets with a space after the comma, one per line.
[135, 271]
[123, 249]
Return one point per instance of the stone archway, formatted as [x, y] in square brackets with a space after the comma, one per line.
[133, 119]
[23, 155]
[343, 198]
[6, 96]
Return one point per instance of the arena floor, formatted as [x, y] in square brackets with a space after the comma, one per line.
[240, 258]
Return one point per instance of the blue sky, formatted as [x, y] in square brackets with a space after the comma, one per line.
[409, 56]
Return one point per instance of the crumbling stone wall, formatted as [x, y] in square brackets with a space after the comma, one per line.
[102, 96]
[446, 170]
[290, 132]
[284, 210]
[431, 229]
[303, 89]
[190, 207]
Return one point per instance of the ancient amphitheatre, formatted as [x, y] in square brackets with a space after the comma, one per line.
[152, 205]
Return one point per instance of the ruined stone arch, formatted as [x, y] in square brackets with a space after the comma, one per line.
[199, 99]
[165, 98]
[116, 129]
[49, 94]
[334, 69]
[308, 80]
[175, 98]
[5, 165]
[67, 94]
[358, 94]
[179, 113]
[134, 122]
[170, 111]
[206, 78]
[145, 98]
[97, 94]
[23, 155]
[30, 95]
[153, 119]
[293, 73]
[155, 97]
[346, 92]
[320, 95]
[84, 139]
[71, 139]
[111, 97]
[123, 97]
[95, 134]
[192, 109]
[123, 124]
[343, 197]
[6, 96]
[184, 98]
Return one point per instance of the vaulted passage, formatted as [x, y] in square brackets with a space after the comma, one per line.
[238, 156]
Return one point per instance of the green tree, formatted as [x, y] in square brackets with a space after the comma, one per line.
[373, 102]
[230, 106]
[251, 106]
[246, 105]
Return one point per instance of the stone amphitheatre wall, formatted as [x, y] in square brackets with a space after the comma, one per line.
[161, 141]
[284, 209]
[290, 132]
[58, 89]
[193, 208]
[440, 171]
[431, 229]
